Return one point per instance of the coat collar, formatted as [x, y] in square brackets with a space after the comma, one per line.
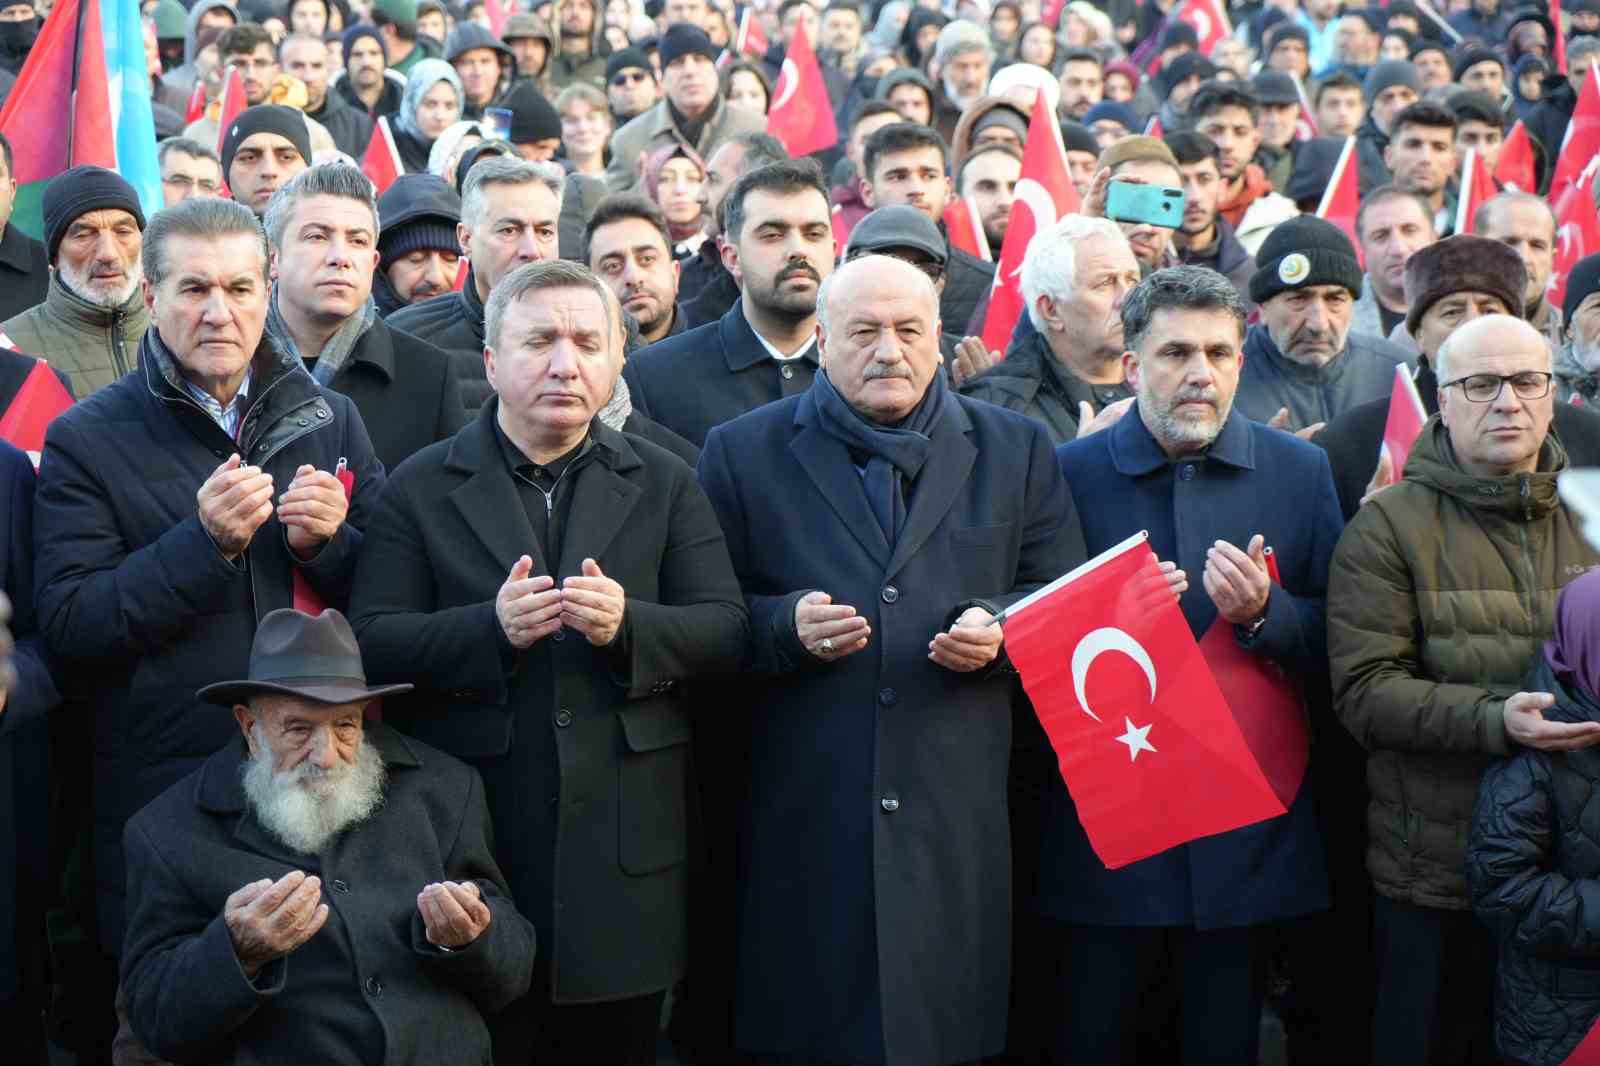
[70, 307]
[16, 251]
[1135, 453]
[219, 789]
[740, 346]
[375, 348]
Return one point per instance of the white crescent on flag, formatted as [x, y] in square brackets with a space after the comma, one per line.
[1103, 640]
[788, 81]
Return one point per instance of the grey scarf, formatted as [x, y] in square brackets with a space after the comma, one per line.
[618, 408]
[336, 353]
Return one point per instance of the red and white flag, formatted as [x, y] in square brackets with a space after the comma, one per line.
[1577, 231]
[964, 223]
[1587, 1053]
[751, 40]
[1209, 20]
[1404, 423]
[463, 271]
[1582, 141]
[1305, 127]
[1147, 745]
[1342, 200]
[801, 115]
[38, 400]
[1153, 128]
[1044, 193]
[1476, 188]
[496, 14]
[197, 103]
[1558, 47]
[1516, 167]
[232, 104]
[381, 160]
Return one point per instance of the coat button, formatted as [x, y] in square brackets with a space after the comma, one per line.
[559, 635]
[304, 422]
[890, 594]
[888, 697]
[261, 449]
[341, 886]
[890, 804]
[374, 987]
[322, 412]
[563, 718]
[787, 371]
[1186, 472]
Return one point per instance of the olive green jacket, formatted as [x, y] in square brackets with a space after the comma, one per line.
[92, 345]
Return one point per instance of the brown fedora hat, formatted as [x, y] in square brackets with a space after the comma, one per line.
[295, 654]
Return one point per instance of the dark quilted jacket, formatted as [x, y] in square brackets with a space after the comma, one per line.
[1533, 867]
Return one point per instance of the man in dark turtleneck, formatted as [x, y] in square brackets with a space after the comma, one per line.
[692, 112]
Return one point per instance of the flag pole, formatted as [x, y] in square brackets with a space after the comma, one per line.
[77, 64]
[1071, 575]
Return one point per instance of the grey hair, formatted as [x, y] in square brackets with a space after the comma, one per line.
[543, 276]
[324, 179]
[1486, 210]
[1186, 288]
[872, 262]
[1442, 357]
[1050, 265]
[185, 146]
[205, 218]
[505, 170]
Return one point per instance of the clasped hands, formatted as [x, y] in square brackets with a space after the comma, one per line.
[832, 631]
[1238, 582]
[531, 608]
[236, 500]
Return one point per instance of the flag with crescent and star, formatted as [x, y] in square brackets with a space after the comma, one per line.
[801, 116]
[1146, 743]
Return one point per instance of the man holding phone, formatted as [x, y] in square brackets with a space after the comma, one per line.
[1148, 216]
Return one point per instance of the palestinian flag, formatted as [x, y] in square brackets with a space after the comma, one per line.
[58, 114]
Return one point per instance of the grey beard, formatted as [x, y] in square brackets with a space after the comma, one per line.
[961, 102]
[306, 807]
[78, 285]
[1166, 427]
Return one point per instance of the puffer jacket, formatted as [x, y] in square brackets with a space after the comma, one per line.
[91, 344]
[1441, 591]
[1533, 865]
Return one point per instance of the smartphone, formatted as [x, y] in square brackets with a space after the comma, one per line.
[1154, 205]
[496, 125]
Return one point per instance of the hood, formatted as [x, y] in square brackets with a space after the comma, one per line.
[598, 45]
[414, 196]
[535, 28]
[192, 27]
[424, 76]
[899, 76]
[1516, 497]
[467, 36]
[961, 140]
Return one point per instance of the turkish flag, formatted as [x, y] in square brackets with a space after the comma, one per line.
[304, 597]
[1146, 743]
[1582, 141]
[1209, 20]
[1577, 231]
[1587, 1053]
[496, 14]
[1342, 200]
[381, 161]
[801, 116]
[965, 226]
[197, 102]
[1044, 193]
[463, 271]
[1305, 127]
[1476, 188]
[1153, 128]
[751, 38]
[1404, 422]
[39, 399]
[232, 104]
[1516, 169]
[1558, 47]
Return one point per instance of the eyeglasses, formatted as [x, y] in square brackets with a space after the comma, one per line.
[1486, 388]
[182, 183]
[628, 77]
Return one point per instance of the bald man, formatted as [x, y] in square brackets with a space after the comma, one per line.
[876, 920]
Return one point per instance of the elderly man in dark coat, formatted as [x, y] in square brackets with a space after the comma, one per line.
[322, 891]
[877, 522]
[551, 582]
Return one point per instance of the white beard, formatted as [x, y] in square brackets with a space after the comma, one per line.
[961, 102]
[78, 285]
[306, 807]
[1586, 356]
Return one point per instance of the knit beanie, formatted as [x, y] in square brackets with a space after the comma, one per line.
[432, 234]
[684, 38]
[1002, 115]
[266, 118]
[1114, 111]
[1471, 57]
[627, 59]
[74, 193]
[1463, 264]
[1303, 251]
[1388, 74]
[1076, 137]
[1582, 280]
[1286, 31]
[401, 11]
[171, 20]
[355, 33]
[533, 117]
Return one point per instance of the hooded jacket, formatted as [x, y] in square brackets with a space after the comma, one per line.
[350, 127]
[177, 84]
[93, 345]
[961, 138]
[394, 88]
[563, 68]
[1441, 592]
[541, 31]
[466, 37]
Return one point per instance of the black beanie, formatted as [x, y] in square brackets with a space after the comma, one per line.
[266, 118]
[533, 116]
[75, 193]
[626, 59]
[1077, 137]
[684, 38]
[354, 34]
[1582, 280]
[1305, 250]
[1471, 57]
[430, 233]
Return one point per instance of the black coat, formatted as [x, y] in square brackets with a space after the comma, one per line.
[406, 390]
[1549, 121]
[453, 322]
[350, 127]
[876, 912]
[584, 750]
[367, 987]
[1533, 868]
[133, 597]
[705, 287]
[1030, 381]
[24, 273]
[967, 281]
[711, 374]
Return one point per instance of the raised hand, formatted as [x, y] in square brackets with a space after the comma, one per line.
[827, 630]
[234, 502]
[527, 608]
[312, 510]
[268, 919]
[453, 913]
[1238, 582]
[593, 605]
[971, 644]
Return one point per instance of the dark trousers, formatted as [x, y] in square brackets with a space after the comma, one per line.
[1435, 1003]
[1114, 976]
[536, 1032]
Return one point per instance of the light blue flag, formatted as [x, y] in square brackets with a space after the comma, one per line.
[130, 101]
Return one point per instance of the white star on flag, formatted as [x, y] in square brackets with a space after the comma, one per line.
[1137, 738]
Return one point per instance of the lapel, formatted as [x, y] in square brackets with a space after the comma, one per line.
[488, 499]
[943, 478]
[602, 500]
[827, 462]
[376, 349]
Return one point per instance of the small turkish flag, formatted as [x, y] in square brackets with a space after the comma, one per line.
[751, 39]
[496, 14]
[1587, 1053]
[381, 161]
[1044, 193]
[1476, 189]
[1582, 141]
[197, 103]
[463, 271]
[1405, 420]
[801, 116]
[38, 400]
[232, 104]
[1342, 200]
[303, 597]
[962, 222]
[1209, 20]
[1558, 47]
[1148, 748]
[1516, 169]
[1305, 127]
[1153, 128]
[1577, 231]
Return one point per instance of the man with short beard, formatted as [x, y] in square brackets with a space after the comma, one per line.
[583, 48]
[390, 938]
[963, 56]
[1524, 223]
[988, 177]
[1577, 360]
[418, 252]
[1393, 224]
[1205, 238]
[626, 244]
[93, 316]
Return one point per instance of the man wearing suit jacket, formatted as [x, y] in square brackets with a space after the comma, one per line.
[550, 582]
[877, 523]
[780, 250]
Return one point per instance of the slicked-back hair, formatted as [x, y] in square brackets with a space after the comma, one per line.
[789, 177]
[1468, 106]
[203, 218]
[867, 108]
[299, 38]
[185, 146]
[1189, 147]
[760, 150]
[1214, 96]
[1076, 55]
[619, 207]
[1424, 113]
[505, 170]
[1184, 288]
[324, 179]
[544, 276]
[1382, 195]
[900, 137]
[1341, 80]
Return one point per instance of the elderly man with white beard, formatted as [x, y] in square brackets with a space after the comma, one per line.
[1577, 360]
[323, 889]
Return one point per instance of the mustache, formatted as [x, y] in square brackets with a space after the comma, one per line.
[798, 270]
[426, 288]
[875, 371]
[1196, 396]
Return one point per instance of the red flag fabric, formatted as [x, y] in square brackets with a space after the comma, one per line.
[801, 116]
[1342, 200]
[58, 114]
[381, 161]
[304, 597]
[1209, 20]
[1405, 420]
[1516, 167]
[463, 269]
[1582, 141]
[962, 222]
[1476, 188]
[751, 38]
[841, 231]
[1305, 127]
[1587, 1053]
[1146, 743]
[1044, 193]
[1577, 231]
[232, 104]
[496, 14]
[197, 103]
[35, 406]
[1558, 47]
[1153, 128]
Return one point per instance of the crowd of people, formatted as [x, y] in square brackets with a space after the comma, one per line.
[545, 613]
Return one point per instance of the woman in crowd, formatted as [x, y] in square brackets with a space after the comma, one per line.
[431, 105]
[673, 175]
[1036, 44]
[745, 85]
[585, 128]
